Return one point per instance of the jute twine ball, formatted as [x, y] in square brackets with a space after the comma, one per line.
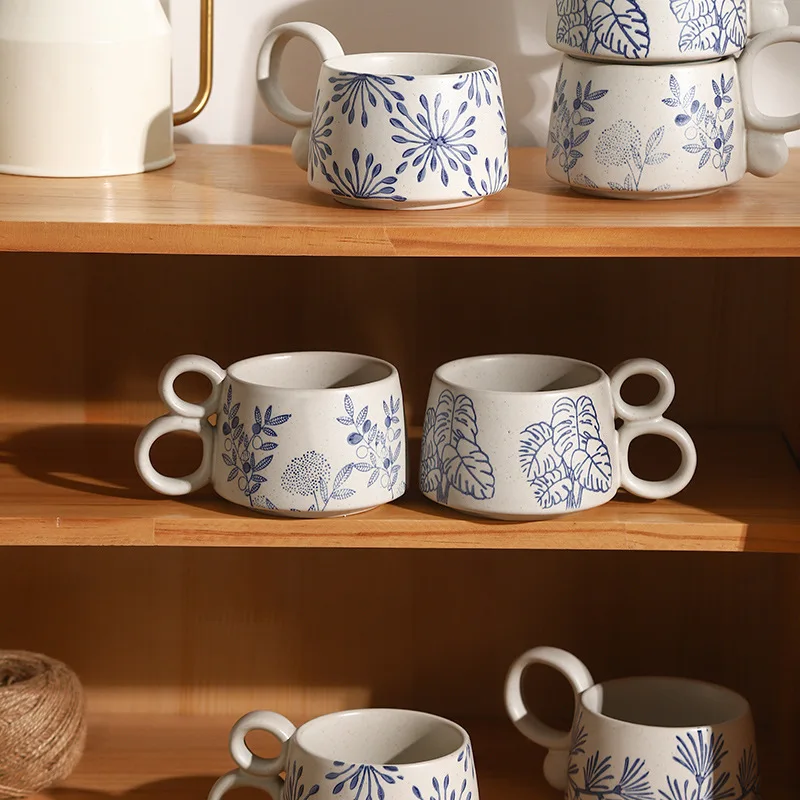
[42, 725]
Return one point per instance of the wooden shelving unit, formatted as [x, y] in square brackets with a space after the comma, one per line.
[165, 757]
[744, 497]
[254, 201]
[217, 610]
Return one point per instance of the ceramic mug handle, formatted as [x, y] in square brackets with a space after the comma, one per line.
[276, 724]
[268, 76]
[556, 742]
[767, 151]
[238, 777]
[649, 419]
[185, 416]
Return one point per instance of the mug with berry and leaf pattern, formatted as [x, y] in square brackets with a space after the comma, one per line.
[652, 131]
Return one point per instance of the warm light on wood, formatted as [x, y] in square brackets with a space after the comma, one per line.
[254, 200]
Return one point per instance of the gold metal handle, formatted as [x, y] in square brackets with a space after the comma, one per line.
[206, 66]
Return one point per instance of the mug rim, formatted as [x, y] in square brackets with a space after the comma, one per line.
[736, 699]
[231, 371]
[305, 727]
[439, 374]
[332, 63]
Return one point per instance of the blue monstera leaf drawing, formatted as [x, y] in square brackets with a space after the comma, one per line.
[452, 458]
[734, 21]
[567, 455]
[712, 25]
[699, 34]
[573, 31]
[620, 27]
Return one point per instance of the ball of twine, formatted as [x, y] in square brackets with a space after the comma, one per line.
[42, 725]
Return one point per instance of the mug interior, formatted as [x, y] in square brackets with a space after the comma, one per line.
[665, 702]
[312, 370]
[519, 373]
[417, 65]
[381, 736]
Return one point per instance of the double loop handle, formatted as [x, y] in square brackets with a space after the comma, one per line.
[255, 771]
[649, 419]
[767, 151]
[557, 742]
[268, 76]
[184, 416]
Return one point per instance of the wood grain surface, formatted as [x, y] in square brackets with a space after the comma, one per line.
[254, 200]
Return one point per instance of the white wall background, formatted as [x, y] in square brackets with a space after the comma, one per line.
[510, 32]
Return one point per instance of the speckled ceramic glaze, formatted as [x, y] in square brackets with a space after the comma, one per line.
[642, 738]
[297, 434]
[393, 130]
[659, 30]
[654, 131]
[523, 437]
[369, 754]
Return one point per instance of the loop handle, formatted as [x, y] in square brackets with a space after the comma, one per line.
[268, 76]
[649, 419]
[767, 151]
[176, 368]
[276, 724]
[237, 777]
[206, 66]
[174, 487]
[557, 742]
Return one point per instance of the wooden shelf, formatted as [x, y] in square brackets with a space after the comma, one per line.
[253, 200]
[147, 757]
[745, 496]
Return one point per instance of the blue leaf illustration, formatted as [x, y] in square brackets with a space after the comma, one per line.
[342, 476]
[468, 469]
[552, 488]
[430, 475]
[342, 494]
[621, 27]
[537, 455]
[573, 31]
[354, 438]
[573, 423]
[455, 419]
[701, 33]
[685, 10]
[591, 465]
[734, 21]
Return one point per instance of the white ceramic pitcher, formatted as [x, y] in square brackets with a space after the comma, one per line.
[86, 86]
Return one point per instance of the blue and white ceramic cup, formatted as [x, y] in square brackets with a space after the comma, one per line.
[366, 754]
[393, 130]
[296, 434]
[658, 131]
[659, 30]
[642, 738]
[525, 437]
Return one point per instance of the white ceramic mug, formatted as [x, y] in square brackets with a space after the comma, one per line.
[659, 30]
[86, 86]
[655, 131]
[297, 434]
[642, 738]
[368, 754]
[393, 130]
[527, 437]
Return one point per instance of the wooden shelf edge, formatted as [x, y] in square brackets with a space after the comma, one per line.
[745, 497]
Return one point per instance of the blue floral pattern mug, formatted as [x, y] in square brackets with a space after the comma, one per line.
[393, 130]
[296, 434]
[657, 131]
[644, 738]
[366, 754]
[525, 437]
[659, 30]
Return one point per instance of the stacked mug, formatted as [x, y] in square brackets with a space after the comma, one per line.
[656, 98]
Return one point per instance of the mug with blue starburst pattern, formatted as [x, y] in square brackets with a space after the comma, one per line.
[643, 738]
[660, 131]
[659, 30]
[526, 437]
[311, 434]
[367, 754]
[393, 130]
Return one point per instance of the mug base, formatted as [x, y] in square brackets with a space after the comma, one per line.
[273, 512]
[612, 195]
[408, 205]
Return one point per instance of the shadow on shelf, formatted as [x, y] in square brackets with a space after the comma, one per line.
[188, 788]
